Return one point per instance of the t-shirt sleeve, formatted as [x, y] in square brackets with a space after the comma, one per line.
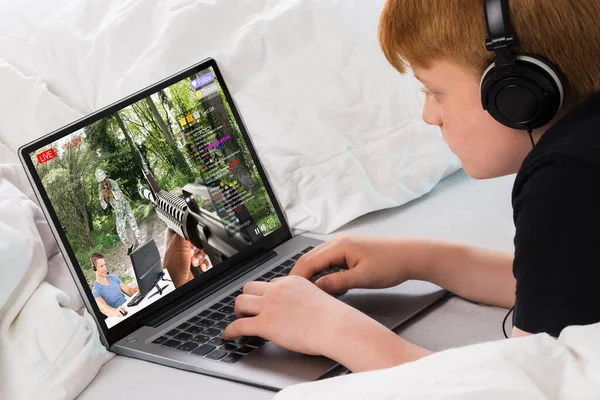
[96, 291]
[557, 219]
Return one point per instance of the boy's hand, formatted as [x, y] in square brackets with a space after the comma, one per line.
[292, 313]
[372, 262]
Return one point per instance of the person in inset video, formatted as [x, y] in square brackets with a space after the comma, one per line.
[108, 289]
[110, 193]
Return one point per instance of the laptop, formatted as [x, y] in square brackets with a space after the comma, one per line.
[173, 165]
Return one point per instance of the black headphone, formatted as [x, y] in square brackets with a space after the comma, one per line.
[94, 265]
[520, 92]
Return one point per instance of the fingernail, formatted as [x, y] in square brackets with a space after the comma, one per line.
[322, 284]
[195, 262]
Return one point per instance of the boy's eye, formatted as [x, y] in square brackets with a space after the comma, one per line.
[427, 92]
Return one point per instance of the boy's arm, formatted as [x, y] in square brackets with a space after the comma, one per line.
[474, 273]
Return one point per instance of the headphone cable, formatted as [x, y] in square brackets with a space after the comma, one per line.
[531, 137]
[504, 321]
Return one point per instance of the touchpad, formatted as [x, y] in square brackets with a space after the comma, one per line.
[392, 306]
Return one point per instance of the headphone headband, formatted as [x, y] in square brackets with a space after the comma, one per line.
[500, 34]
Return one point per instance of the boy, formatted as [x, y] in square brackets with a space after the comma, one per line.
[552, 277]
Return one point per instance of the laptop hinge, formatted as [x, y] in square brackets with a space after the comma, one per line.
[169, 311]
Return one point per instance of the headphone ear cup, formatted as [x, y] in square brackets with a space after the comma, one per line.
[527, 98]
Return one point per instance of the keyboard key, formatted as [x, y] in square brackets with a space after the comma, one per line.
[240, 340]
[183, 326]
[194, 330]
[193, 320]
[217, 316]
[160, 340]
[237, 293]
[216, 306]
[278, 269]
[203, 350]
[205, 323]
[219, 330]
[227, 310]
[220, 325]
[183, 336]
[187, 347]
[211, 332]
[270, 275]
[229, 346]
[232, 358]
[255, 342]
[297, 256]
[288, 263]
[172, 343]
[282, 274]
[306, 250]
[217, 354]
[245, 349]
[230, 318]
[216, 341]
[228, 300]
[205, 313]
[172, 332]
[201, 339]
[261, 279]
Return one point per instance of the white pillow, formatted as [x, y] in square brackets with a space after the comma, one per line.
[338, 130]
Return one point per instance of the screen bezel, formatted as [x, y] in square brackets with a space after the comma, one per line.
[135, 321]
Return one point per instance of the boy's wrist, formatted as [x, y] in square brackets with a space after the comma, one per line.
[362, 344]
[432, 257]
[422, 255]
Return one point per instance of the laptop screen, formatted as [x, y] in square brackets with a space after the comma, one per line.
[122, 185]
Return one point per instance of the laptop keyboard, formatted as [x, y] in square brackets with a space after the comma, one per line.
[200, 334]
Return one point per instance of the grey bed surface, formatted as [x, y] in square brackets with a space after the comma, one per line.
[459, 208]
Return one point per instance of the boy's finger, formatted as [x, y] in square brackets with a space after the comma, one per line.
[256, 288]
[338, 282]
[247, 304]
[327, 255]
[241, 327]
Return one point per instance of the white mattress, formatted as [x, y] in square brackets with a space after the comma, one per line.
[459, 208]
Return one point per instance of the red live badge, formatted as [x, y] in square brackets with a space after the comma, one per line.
[46, 156]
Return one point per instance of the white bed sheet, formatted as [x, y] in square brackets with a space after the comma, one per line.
[459, 208]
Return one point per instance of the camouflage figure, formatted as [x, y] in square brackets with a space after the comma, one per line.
[110, 193]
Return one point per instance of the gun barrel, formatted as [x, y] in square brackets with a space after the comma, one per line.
[145, 193]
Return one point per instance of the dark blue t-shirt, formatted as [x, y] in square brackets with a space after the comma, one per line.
[111, 294]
